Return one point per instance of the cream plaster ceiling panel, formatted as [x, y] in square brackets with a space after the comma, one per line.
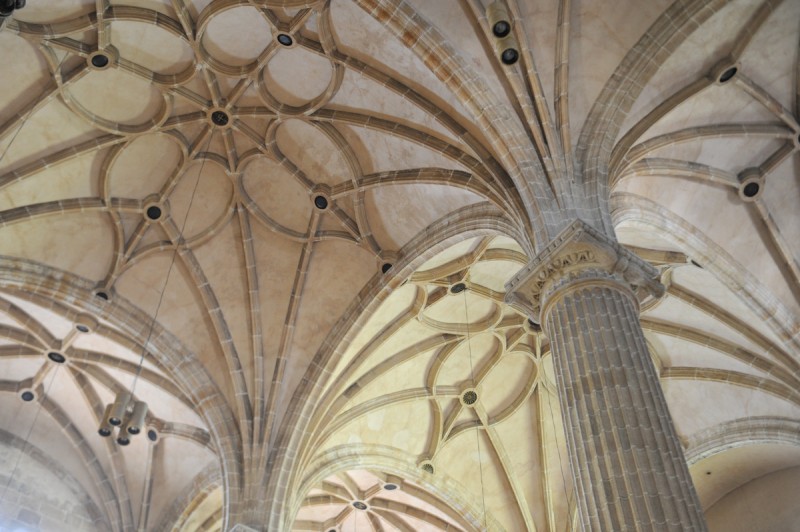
[720, 474]
[686, 64]
[461, 402]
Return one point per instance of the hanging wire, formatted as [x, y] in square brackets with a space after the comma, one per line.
[477, 431]
[55, 372]
[171, 264]
[567, 496]
[30, 431]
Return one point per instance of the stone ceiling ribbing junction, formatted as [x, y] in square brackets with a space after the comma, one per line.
[305, 217]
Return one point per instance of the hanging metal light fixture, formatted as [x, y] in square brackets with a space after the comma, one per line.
[505, 44]
[133, 425]
[126, 413]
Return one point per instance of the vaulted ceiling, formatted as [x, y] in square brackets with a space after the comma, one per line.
[301, 216]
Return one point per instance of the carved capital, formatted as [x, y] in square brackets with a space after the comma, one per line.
[579, 254]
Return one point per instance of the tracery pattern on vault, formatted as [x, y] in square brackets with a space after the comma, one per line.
[178, 135]
[443, 374]
[60, 367]
[285, 155]
[373, 500]
[725, 132]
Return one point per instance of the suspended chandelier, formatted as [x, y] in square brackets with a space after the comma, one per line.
[124, 414]
[127, 414]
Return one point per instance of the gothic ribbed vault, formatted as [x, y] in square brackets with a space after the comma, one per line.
[279, 202]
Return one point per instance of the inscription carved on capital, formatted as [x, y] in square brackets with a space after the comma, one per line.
[579, 252]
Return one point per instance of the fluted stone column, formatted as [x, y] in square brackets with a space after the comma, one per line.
[627, 464]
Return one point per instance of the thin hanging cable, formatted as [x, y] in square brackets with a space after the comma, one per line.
[477, 431]
[28, 435]
[52, 379]
[555, 434]
[171, 264]
[14, 137]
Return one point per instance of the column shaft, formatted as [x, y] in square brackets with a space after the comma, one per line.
[627, 463]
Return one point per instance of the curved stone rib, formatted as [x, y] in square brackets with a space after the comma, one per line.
[220, 326]
[619, 155]
[752, 430]
[103, 359]
[154, 454]
[561, 102]
[702, 132]
[35, 333]
[763, 97]
[734, 378]
[118, 517]
[508, 469]
[703, 338]
[103, 141]
[728, 318]
[766, 306]
[255, 323]
[786, 258]
[676, 168]
[287, 331]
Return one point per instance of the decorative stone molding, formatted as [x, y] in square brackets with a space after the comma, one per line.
[579, 253]
[756, 430]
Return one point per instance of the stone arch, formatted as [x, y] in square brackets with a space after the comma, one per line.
[470, 221]
[178, 362]
[386, 460]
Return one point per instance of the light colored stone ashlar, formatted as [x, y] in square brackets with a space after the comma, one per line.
[627, 464]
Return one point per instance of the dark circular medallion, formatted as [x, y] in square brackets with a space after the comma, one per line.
[320, 202]
[82, 328]
[220, 118]
[358, 505]
[386, 267]
[56, 357]
[152, 435]
[458, 288]
[134, 430]
[100, 61]
[285, 39]
[509, 56]
[751, 189]
[728, 74]
[154, 212]
[390, 487]
[27, 396]
[501, 28]
[469, 397]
